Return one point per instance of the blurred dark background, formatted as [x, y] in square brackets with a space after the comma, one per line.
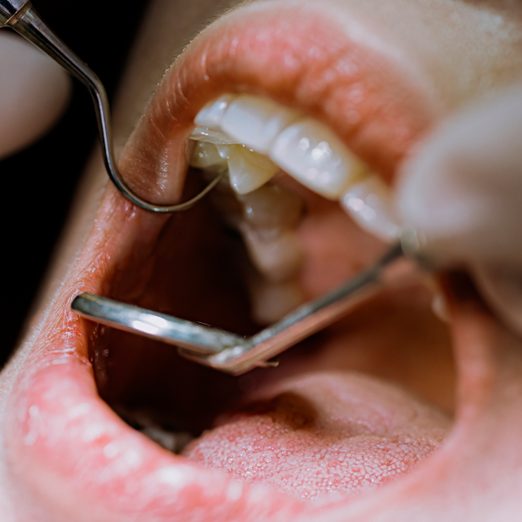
[43, 177]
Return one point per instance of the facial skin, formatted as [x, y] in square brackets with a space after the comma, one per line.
[382, 75]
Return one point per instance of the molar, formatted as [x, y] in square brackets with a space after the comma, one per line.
[272, 207]
[272, 301]
[277, 255]
[206, 156]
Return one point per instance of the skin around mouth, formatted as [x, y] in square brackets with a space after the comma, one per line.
[67, 449]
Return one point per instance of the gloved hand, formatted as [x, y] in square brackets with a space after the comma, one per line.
[462, 190]
[33, 93]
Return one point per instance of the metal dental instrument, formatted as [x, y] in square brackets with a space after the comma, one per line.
[232, 353]
[20, 16]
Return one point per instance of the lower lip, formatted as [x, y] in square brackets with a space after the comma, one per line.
[68, 450]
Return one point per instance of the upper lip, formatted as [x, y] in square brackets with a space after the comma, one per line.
[57, 393]
[376, 107]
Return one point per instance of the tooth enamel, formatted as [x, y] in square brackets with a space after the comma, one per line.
[212, 113]
[213, 136]
[370, 204]
[314, 156]
[278, 257]
[256, 122]
[272, 301]
[257, 137]
[272, 207]
[248, 170]
[174, 442]
[206, 156]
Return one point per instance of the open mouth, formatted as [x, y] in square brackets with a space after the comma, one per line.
[261, 245]
[348, 411]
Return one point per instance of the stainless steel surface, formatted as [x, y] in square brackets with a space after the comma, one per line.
[21, 16]
[226, 351]
[198, 338]
[302, 322]
[10, 10]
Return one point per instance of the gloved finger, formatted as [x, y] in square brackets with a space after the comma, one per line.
[462, 190]
[501, 287]
[33, 93]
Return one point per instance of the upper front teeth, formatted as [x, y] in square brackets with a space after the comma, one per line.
[306, 149]
[312, 154]
[256, 122]
[370, 204]
[247, 170]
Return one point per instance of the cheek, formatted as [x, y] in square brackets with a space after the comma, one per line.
[34, 91]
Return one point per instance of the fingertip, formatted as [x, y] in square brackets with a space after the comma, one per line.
[34, 92]
[462, 188]
[502, 289]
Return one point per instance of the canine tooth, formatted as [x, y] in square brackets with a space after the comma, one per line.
[256, 122]
[370, 204]
[278, 257]
[248, 170]
[208, 135]
[212, 113]
[206, 156]
[316, 157]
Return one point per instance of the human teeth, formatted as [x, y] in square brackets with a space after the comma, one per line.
[370, 204]
[206, 156]
[256, 122]
[214, 136]
[272, 301]
[312, 154]
[278, 257]
[257, 137]
[248, 170]
[272, 208]
[212, 113]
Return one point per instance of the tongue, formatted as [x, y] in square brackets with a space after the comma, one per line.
[322, 435]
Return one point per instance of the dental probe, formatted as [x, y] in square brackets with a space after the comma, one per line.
[20, 16]
[236, 355]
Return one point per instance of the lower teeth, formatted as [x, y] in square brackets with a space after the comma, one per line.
[267, 220]
[271, 301]
[175, 441]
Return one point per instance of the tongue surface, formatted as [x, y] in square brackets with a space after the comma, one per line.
[322, 435]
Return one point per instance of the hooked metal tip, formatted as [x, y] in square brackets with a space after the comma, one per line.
[20, 16]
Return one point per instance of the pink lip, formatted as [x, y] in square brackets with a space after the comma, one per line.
[297, 57]
[66, 447]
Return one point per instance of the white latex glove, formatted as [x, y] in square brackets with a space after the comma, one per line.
[33, 93]
[462, 190]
